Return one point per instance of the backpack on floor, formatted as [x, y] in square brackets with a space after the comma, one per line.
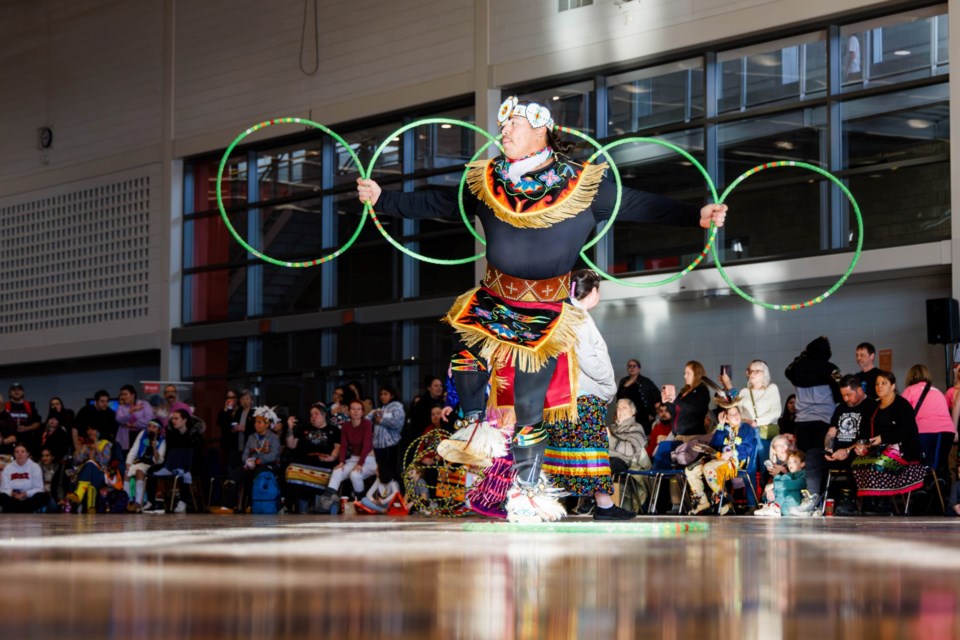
[266, 493]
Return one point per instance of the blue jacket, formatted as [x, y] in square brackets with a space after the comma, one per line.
[743, 444]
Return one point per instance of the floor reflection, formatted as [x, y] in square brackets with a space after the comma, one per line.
[213, 577]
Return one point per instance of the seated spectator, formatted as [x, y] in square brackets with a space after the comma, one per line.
[627, 440]
[55, 438]
[185, 431]
[98, 415]
[91, 459]
[788, 417]
[929, 403]
[759, 399]
[662, 429]
[54, 480]
[388, 423]
[848, 422]
[380, 495]
[21, 484]
[260, 455]
[25, 415]
[64, 416]
[628, 452]
[776, 464]
[641, 391]
[146, 455]
[888, 451]
[313, 449]
[356, 451]
[132, 416]
[787, 488]
[8, 432]
[421, 469]
[691, 404]
[735, 442]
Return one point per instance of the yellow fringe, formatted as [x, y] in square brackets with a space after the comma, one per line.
[562, 339]
[579, 199]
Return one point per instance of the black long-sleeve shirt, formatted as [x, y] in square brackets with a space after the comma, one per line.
[538, 254]
[896, 424]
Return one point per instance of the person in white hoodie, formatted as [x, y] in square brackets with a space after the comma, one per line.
[21, 484]
[578, 458]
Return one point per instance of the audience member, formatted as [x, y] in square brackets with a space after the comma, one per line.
[388, 423]
[98, 415]
[627, 440]
[133, 416]
[846, 427]
[260, 455]
[314, 449]
[146, 455]
[641, 391]
[419, 415]
[787, 488]
[64, 416]
[691, 405]
[25, 415]
[54, 480]
[356, 451]
[21, 484]
[929, 404]
[55, 438]
[888, 451]
[788, 419]
[171, 396]
[91, 460]
[662, 428]
[8, 431]
[866, 355]
[340, 406]
[735, 442]
[776, 463]
[759, 401]
[816, 380]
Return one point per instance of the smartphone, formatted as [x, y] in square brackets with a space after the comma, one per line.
[669, 392]
[726, 369]
[768, 464]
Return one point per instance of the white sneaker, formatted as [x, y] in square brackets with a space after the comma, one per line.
[181, 507]
[808, 507]
[771, 510]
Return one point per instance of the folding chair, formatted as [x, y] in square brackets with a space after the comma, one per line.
[658, 475]
[176, 464]
[936, 450]
[743, 478]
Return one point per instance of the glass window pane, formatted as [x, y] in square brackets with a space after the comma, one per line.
[440, 146]
[775, 212]
[894, 49]
[288, 290]
[215, 295]
[233, 185]
[638, 248]
[897, 127]
[785, 71]
[367, 345]
[225, 358]
[368, 273]
[903, 205]
[289, 171]
[658, 96]
[569, 105]
[364, 144]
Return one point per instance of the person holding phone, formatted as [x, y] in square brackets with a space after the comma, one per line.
[690, 406]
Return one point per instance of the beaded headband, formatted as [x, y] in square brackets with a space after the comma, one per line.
[536, 114]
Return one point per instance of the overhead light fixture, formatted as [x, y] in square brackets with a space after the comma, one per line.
[555, 98]
[785, 145]
[917, 123]
[901, 52]
[446, 126]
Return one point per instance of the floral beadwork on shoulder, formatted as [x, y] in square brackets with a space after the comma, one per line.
[542, 198]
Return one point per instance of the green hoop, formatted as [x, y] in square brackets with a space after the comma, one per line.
[368, 209]
[226, 219]
[856, 255]
[609, 225]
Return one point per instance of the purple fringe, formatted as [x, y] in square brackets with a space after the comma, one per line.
[487, 496]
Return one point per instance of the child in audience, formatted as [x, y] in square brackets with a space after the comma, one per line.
[780, 448]
[787, 487]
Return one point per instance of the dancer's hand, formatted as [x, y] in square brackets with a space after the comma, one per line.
[368, 191]
[715, 213]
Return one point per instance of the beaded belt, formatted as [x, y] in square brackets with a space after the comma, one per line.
[510, 288]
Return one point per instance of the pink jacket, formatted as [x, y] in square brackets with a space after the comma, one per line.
[934, 414]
